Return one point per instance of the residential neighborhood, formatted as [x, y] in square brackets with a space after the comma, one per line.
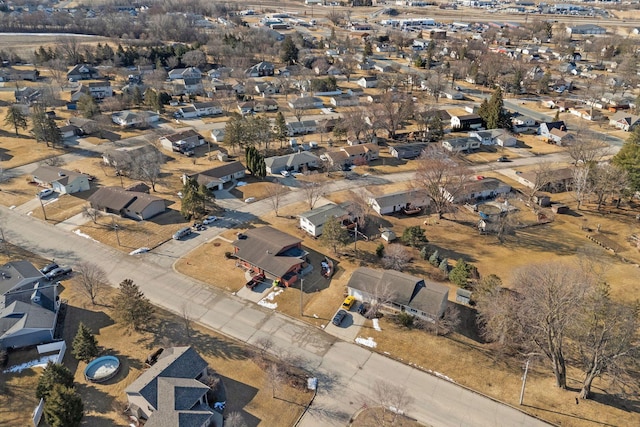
[319, 213]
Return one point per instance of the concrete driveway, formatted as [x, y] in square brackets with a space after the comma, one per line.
[350, 327]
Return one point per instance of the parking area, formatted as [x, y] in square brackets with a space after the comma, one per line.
[350, 327]
[257, 293]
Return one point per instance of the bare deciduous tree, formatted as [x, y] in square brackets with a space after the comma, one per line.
[542, 176]
[146, 168]
[313, 189]
[92, 279]
[235, 419]
[438, 170]
[607, 180]
[275, 192]
[587, 147]
[91, 213]
[394, 399]
[274, 378]
[396, 257]
[581, 184]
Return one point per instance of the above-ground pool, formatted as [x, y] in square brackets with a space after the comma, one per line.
[102, 369]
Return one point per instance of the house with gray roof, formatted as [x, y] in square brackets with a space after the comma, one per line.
[128, 118]
[123, 157]
[294, 162]
[215, 178]
[29, 306]
[131, 204]
[272, 252]
[398, 201]
[173, 393]
[184, 141]
[60, 180]
[423, 299]
[407, 151]
[478, 190]
[312, 221]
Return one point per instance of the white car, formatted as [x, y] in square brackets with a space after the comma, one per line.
[139, 251]
[209, 220]
[250, 200]
[285, 173]
[45, 193]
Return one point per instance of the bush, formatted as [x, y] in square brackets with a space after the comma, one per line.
[425, 252]
[444, 265]
[228, 255]
[380, 250]
[414, 236]
[462, 272]
[405, 319]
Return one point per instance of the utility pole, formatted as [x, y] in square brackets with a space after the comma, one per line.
[355, 242]
[524, 381]
[44, 213]
[115, 228]
[301, 296]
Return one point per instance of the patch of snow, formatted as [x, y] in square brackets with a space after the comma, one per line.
[369, 342]
[439, 375]
[315, 316]
[29, 213]
[241, 184]
[12, 207]
[138, 251]
[38, 363]
[86, 236]
[376, 325]
[270, 297]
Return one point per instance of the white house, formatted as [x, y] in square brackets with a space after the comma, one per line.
[457, 145]
[215, 178]
[312, 221]
[367, 81]
[184, 141]
[291, 162]
[211, 108]
[61, 181]
[127, 118]
[305, 103]
[624, 121]
[398, 201]
[477, 190]
[500, 137]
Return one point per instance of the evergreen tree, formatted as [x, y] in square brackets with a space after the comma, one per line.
[63, 407]
[493, 113]
[368, 49]
[131, 307]
[16, 118]
[628, 159]
[193, 200]
[435, 129]
[334, 235]
[233, 131]
[280, 130]
[44, 128]
[444, 265]
[434, 259]
[85, 346]
[461, 273]
[53, 374]
[424, 252]
[289, 51]
[255, 162]
[414, 236]
[88, 106]
[136, 95]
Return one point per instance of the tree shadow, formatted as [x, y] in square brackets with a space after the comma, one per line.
[569, 415]
[94, 320]
[468, 326]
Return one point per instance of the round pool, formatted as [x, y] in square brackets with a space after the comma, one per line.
[102, 369]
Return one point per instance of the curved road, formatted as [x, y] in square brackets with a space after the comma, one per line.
[346, 371]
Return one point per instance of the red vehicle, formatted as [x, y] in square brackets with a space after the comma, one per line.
[255, 281]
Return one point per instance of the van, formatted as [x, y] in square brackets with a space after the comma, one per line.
[348, 302]
[183, 232]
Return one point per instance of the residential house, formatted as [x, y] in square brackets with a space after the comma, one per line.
[337, 159]
[521, 121]
[60, 180]
[312, 221]
[500, 137]
[544, 130]
[271, 252]
[407, 151]
[83, 72]
[123, 157]
[305, 103]
[265, 89]
[27, 95]
[261, 69]
[362, 153]
[210, 108]
[398, 201]
[69, 131]
[467, 121]
[29, 306]
[97, 90]
[556, 181]
[586, 113]
[424, 299]
[185, 73]
[456, 145]
[187, 112]
[264, 105]
[478, 190]
[294, 162]
[183, 141]
[131, 204]
[128, 118]
[85, 126]
[215, 178]
[11, 74]
[344, 100]
[302, 127]
[186, 81]
[624, 121]
[174, 391]
[217, 135]
[452, 94]
[367, 82]
[560, 137]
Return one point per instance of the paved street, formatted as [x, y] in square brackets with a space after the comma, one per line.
[346, 371]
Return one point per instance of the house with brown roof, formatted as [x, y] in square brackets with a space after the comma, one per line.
[556, 181]
[477, 190]
[131, 204]
[173, 392]
[423, 299]
[272, 252]
[60, 180]
[215, 178]
[624, 120]
[362, 153]
[184, 141]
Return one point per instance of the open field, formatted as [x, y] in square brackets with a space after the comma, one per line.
[25, 44]
[241, 370]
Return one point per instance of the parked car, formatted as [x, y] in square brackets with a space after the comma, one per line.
[255, 281]
[56, 273]
[363, 308]
[339, 317]
[250, 200]
[348, 302]
[503, 159]
[198, 226]
[209, 220]
[49, 267]
[183, 232]
[46, 192]
[285, 173]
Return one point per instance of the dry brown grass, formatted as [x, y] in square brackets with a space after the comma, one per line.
[22, 149]
[374, 416]
[243, 377]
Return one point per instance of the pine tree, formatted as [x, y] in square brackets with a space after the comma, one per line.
[192, 202]
[289, 51]
[88, 106]
[461, 273]
[131, 307]
[334, 235]
[53, 374]
[85, 346]
[280, 130]
[414, 236]
[15, 118]
[628, 159]
[444, 265]
[136, 95]
[63, 407]
[434, 259]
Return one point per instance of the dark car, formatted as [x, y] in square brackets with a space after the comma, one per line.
[58, 272]
[363, 308]
[503, 159]
[339, 317]
[47, 268]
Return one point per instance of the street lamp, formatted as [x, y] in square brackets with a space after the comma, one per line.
[301, 296]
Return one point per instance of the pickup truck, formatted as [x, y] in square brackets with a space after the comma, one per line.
[255, 281]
